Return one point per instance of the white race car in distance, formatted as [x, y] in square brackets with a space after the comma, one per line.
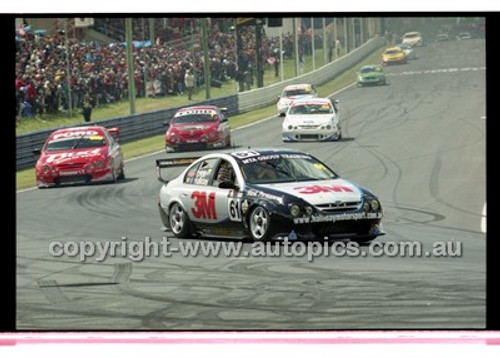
[413, 39]
[312, 119]
[293, 92]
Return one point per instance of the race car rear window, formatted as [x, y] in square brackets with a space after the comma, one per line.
[93, 141]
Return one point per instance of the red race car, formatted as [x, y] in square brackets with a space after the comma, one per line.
[197, 128]
[80, 155]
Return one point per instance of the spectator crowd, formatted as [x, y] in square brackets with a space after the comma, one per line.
[98, 71]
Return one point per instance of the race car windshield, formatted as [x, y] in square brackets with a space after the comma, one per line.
[75, 143]
[195, 118]
[371, 69]
[283, 170]
[392, 52]
[320, 108]
[296, 92]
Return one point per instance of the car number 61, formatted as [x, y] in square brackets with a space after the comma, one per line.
[234, 207]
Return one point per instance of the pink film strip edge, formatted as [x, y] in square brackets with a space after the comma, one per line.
[263, 337]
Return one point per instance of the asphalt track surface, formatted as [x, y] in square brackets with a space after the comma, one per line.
[418, 143]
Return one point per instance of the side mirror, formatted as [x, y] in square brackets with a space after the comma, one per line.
[115, 133]
[224, 111]
[37, 151]
[228, 185]
[166, 124]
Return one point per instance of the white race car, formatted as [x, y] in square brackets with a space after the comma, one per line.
[293, 92]
[413, 39]
[312, 119]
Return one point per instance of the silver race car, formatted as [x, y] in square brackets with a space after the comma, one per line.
[265, 194]
[312, 119]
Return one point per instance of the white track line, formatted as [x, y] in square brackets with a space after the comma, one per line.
[234, 130]
[483, 219]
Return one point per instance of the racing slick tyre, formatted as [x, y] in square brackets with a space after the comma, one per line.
[179, 221]
[121, 176]
[259, 224]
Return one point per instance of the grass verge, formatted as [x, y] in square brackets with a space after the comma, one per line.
[26, 178]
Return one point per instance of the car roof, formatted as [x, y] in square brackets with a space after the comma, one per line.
[412, 33]
[395, 48]
[197, 108]
[81, 128]
[297, 86]
[312, 100]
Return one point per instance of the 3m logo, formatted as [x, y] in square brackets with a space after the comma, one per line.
[204, 206]
[315, 189]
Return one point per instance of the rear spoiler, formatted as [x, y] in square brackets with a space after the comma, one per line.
[172, 162]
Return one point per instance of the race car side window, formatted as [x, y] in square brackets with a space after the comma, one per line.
[190, 174]
[225, 172]
[205, 172]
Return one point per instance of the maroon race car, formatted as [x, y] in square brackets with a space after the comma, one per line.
[196, 128]
[80, 155]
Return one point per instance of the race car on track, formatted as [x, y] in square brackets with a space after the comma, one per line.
[408, 50]
[370, 75]
[442, 37]
[293, 92]
[413, 39]
[311, 119]
[265, 194]
[199, 127]
[393, 55]
[80, 155]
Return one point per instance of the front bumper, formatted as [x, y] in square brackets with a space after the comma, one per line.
[195, 145]
[305, 228]
[371, 81]
[81, 176]
[321, 135]
[394, 61]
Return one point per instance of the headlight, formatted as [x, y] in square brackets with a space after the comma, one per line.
[309, 210]
[328, 126]
[45, 168]
[375, 204]
[172, 138]
[290, 127]
[294, 210]
[366, 206]
[98, 163]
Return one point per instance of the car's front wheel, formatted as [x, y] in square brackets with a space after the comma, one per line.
[179, 221]
[260, 224]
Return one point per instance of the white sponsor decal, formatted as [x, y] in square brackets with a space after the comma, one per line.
[61, 156]
[79, 133]
[337, 217]
[261, 194]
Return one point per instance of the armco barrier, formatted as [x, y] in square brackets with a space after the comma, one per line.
[132, 127]
[262, 97]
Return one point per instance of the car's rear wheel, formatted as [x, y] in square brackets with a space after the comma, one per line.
[179, 221]
[121, 176]
[260, 224]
